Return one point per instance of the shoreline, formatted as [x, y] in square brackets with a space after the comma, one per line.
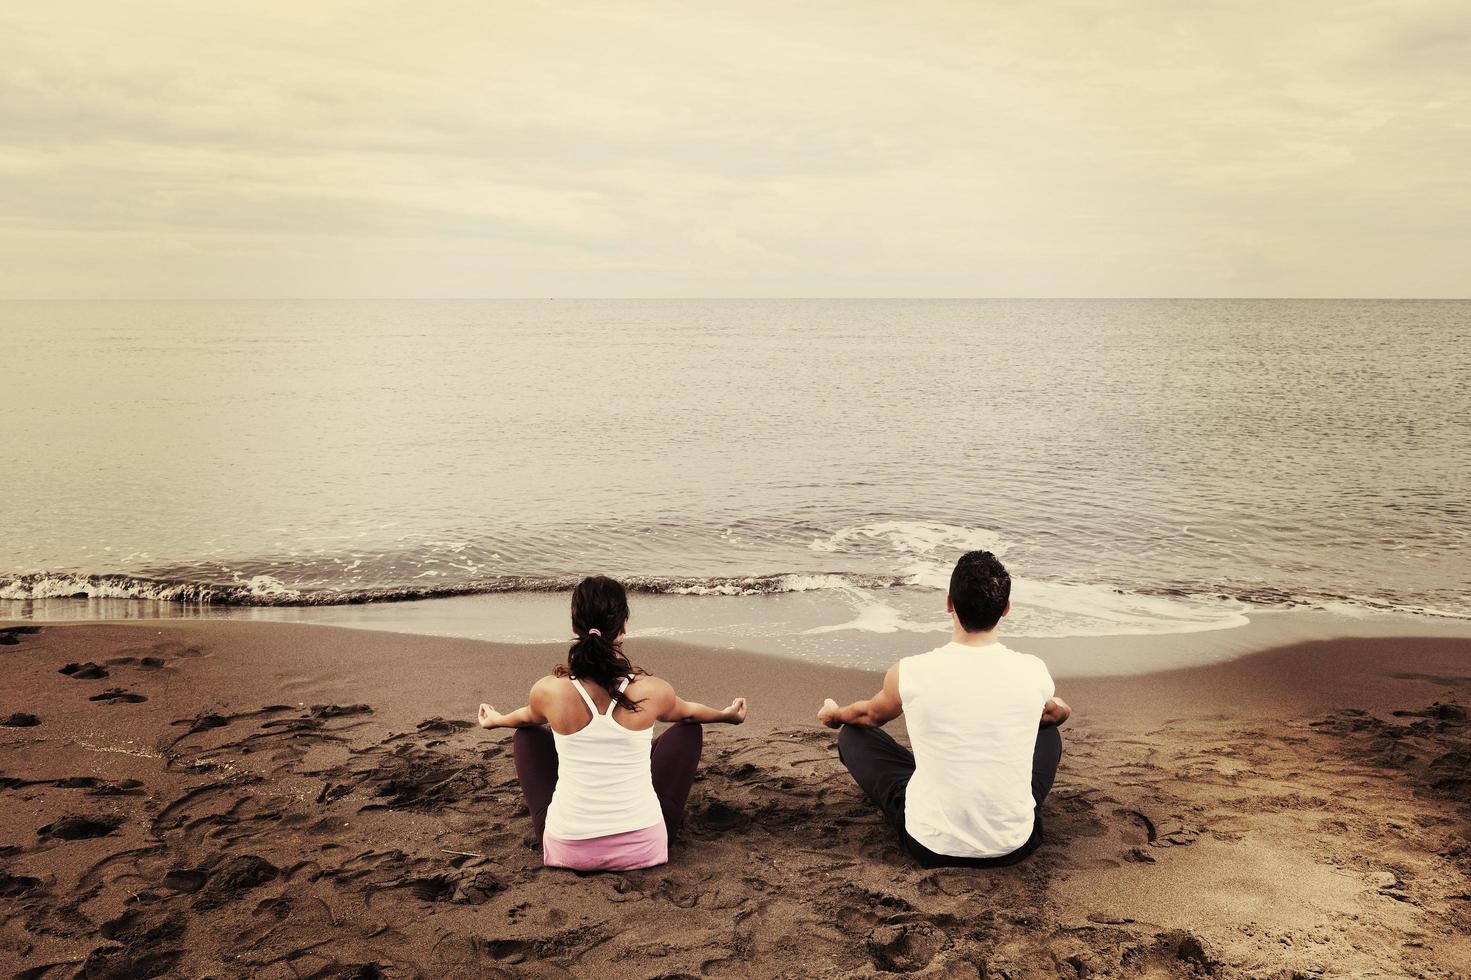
[271, 799]
[795, 626]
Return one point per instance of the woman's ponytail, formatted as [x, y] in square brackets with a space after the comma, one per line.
[599, 614]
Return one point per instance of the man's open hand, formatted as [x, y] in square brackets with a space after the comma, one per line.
[828, 714]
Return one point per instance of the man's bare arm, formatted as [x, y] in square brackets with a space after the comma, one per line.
[1055, 712]
[880, 709]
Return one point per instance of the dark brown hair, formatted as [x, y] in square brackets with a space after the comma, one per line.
[979, 589]
[599, 614]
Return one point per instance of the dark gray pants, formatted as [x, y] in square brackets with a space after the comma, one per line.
[883, 767]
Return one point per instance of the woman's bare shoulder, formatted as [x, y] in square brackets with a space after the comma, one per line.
[549, 686]
[649, 686]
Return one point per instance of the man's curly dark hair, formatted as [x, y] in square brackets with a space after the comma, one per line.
[980, 588]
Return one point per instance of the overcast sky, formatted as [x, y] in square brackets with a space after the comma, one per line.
[1034, 148]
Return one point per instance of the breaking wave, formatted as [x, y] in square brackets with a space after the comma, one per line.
[1103, 608]
[265, 590]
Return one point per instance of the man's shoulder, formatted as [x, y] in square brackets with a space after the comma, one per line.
[1032, 668]
[918, 658]
[917, 663]
[1031, 659]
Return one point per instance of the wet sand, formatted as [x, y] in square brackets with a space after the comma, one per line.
[253, 799]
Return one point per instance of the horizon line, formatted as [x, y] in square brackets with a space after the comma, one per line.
[482, 299]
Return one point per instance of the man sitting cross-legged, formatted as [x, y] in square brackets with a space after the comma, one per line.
[983, 722]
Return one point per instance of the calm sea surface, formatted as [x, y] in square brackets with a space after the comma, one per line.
[1142, 466]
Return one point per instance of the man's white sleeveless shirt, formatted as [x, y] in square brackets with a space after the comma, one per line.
[972, 714]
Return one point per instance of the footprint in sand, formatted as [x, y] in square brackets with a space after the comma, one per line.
[739, 773]
[157, 654]
[440, 888]
[20, 720]
[13, 886]
[443, 726]
[719, 818]
[340, 710]
[202, 723]
[148, 663]
[10, 636]
[97, 787]
[905, 948]
[231, 882]
[146, 946]
[1143, 822]
[116, 695]
[209, 721]
[120, 961]
[74, 827]
[138, 927]
[84, 672]
[471, 889]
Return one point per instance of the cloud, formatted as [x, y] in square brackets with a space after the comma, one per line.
[1154, 148]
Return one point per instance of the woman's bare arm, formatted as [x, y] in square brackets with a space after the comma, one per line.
[521, 717]
[675, 708]
[694, 711]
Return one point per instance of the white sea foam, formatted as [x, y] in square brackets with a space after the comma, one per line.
[879, 617]
[912, 602]
[923, 552]
[1072, 609]
[270, 587]
[918, 538]
[64, 586]
[1047, 609]
[765, 584]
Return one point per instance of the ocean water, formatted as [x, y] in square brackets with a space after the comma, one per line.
[1141, 466]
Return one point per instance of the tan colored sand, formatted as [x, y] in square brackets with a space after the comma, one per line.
[305, 801]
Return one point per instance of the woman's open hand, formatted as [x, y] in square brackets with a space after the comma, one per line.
[736, 713]
[489, 717]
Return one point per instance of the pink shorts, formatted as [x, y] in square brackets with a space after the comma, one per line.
[615, 852]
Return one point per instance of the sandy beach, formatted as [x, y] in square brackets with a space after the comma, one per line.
[254, 799]
[361, 358]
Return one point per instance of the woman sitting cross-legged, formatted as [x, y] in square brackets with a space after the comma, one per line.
[604, 793]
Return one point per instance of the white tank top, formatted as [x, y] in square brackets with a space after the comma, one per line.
[604, 785]
[972, 714]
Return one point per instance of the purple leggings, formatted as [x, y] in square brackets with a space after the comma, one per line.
[674, 759]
